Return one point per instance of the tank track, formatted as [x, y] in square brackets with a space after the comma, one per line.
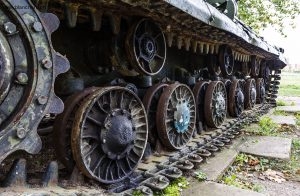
[157, 174]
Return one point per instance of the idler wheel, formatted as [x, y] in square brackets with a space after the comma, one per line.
[250, 94]
[176, 116]
[236, 99]
[215, 104]
[146, 47]
[199, 93]
[261, 90]
[226, 60]
[109, 135]
[150, 102]
[63, 127]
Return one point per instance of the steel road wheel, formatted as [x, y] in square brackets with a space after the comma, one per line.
[255, 66]
[261, 90]
[146, 47]
[150, 102]
[250, 94]
[213, 66]
[226, 60]
[246, 68]
[215, 104]
[236, 99]
[176, 116]
[109, 135]
[63, 127]
[199, 93]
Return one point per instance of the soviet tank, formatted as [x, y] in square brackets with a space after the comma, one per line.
[116, 82]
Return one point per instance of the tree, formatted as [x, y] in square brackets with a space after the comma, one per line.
[258, 14]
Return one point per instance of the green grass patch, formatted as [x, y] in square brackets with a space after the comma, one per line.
[267, 127]
[289, 85]
[200, 176]
[297, 115]
[281, 103]
[175, 187]
[280, 113]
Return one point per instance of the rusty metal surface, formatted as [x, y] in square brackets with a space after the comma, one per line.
[150, 101]
[176, 116]
[25, 38]
[181, 21]
[109, 135]
[215, 107]
[63, 127]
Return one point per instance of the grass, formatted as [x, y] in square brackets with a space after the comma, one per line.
[297, 115]
[174, 188]
[280, 113]
[289, 85]
[281, 103]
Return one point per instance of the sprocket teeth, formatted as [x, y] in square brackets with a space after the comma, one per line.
[56, 105]
[51, 21]
[62, 64]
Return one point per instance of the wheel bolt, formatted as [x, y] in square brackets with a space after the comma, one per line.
[10, 27]
[104, 141]
[47, 63]
[22, 78]
[21, 133]
[42, 100]
[37, 26]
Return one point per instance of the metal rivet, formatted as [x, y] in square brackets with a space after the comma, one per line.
[10, 27]
[22, 78]
[21, 133]
[37, 26]
[47, 63]
[42, 100]
[104, 141]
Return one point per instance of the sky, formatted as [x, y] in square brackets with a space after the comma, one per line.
[291, 43]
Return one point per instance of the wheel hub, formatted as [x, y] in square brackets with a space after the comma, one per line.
[182, 117]
[220, 104]
[240, 97]
[118, 136]
[147, 47]
[253, 95]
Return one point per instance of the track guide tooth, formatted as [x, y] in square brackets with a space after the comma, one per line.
[194, 45]
[170, 37]
[179, 42]
[207, 48]
[201, 47]
[212, 49]
[50, 177]
[71, 14]
[187, 43]
[17, 175]
[96, 18]
[115, 24]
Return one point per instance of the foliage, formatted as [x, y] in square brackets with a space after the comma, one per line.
[281, 103]
[137, 193]
[175, 187]
[267, 126]
[200, 176]
[258, 14]
[297, 115]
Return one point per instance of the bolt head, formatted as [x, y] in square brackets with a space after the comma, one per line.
[21, 133]
[42, 100]
[47, 64]
[22, 78]
[10, 27]
[37, 26]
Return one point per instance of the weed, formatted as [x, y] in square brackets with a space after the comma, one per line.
[241, 159]
[293, 103]
[267, 126]
[297, 115]
[257, 188]
[137, 193]
[281, 103]
[200, 176]
[280, 113]
[174, 188]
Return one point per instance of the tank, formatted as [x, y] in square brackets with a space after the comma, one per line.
[111, 83]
